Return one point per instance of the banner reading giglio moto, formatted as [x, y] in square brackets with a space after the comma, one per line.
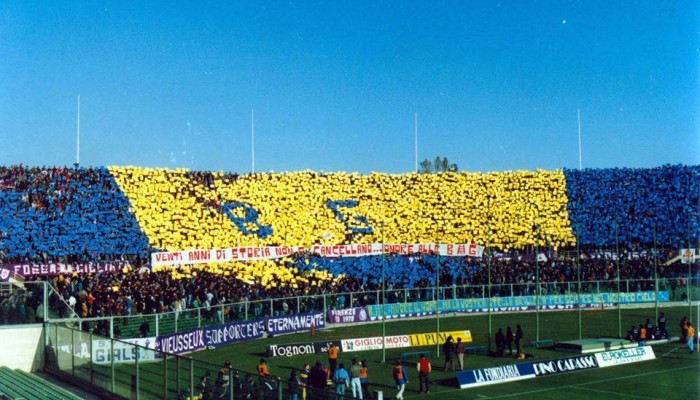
[394, 342]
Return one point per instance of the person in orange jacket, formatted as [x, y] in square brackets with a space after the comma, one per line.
[642, 335]
[263, 372]
[332, 358]
[691, 338]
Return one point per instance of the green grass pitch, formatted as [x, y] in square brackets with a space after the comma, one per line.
[674, 374]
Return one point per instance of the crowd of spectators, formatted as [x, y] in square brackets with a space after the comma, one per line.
[66, 215]
[651, 205]
[100, 215]
[133, 293]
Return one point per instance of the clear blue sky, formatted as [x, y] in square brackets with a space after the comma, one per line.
[335, 84]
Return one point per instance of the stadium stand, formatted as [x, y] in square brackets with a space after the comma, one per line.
[73, 215]
[118, 215]
[644, 204]
[17, 384]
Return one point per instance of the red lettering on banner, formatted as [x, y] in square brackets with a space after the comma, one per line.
[221, 254]
[473, 251]
[198, 255]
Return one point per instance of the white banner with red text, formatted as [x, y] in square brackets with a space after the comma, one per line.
[251, 253]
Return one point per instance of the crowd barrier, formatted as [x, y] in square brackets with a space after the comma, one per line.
[137, 370]
[363, 307]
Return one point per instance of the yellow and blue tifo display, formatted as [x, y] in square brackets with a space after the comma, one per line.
[304, 208]
[104, 213]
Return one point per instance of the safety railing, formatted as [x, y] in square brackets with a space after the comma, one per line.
[136, 370]
[134, 326]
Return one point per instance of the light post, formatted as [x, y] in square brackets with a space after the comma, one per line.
[578, 278]
[437, 295]
[656, 279]
[690, 264]
[619, 295]
[537, 288]
[488, 261]
[383, 298]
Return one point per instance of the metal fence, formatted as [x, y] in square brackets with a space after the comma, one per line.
[134, 326]
[139, 372]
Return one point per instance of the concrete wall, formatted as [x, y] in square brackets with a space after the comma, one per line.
[22, 347]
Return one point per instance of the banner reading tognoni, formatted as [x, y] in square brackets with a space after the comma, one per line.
[296, 349]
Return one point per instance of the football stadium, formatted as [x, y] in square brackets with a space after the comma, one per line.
[128, 282]
[349, 200]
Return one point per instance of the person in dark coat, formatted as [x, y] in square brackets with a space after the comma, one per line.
[519, 339]
[509, 340]
[318, 380]
[500, 342]
[448, 349]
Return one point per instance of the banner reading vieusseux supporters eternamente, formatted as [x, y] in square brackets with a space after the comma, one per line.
[294, 323]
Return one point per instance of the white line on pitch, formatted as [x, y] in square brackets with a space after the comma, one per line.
[616, 393]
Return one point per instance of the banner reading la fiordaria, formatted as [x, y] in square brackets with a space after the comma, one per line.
[251, 253]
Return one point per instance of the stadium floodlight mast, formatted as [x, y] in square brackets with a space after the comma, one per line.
[687, 290]
[656, 277]
[77, 143]
[578, 278]
[536, 228]
[437, 294]
[580, 160]
[415, 141]
[383, 297]
[619, 295]
[252, 141]
[488, 261]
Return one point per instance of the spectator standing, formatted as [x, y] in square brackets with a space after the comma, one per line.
[691, 338]
[293, 385]
[364, 380]
[144, 328]
[684, 329]
[460, 353]
[332, 358]
[304, 379]
[662, 324]
[642, 338]
[204, 388]
[448, 349]
[424, 368]
[355, 383]
[401, 379]
[263, 371]
[341, 378]
[224, 375]
[500, 342]
[519, 339]
[509, 340]
[318, 382]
